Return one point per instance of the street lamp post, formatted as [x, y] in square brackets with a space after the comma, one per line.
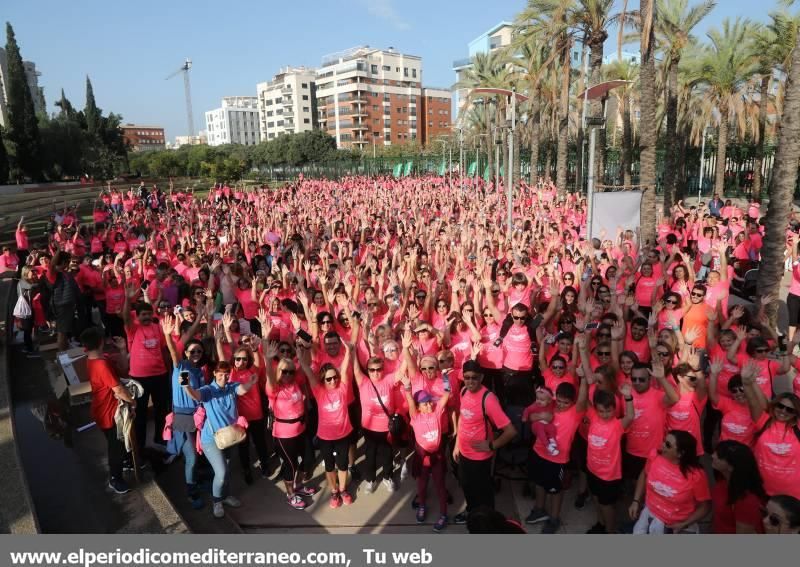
[461, 158]
[702, 166]
[497, 143]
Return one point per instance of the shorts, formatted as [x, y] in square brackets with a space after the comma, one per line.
[544, 473]
[334, 453]
[607, 492]
[632, 466]
[577, 454]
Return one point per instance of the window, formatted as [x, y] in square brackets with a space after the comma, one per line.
[280, 123]
[414, 98]
[270, 124]
[430, 124]
[375, 120]
[304, 85]
[405, 71]
[399, 110]
[376, 134]
[386, 97]
[306, 121]
[397, 69]
[414, 73]
[374, 107]
[305, 109]
[387, 123]
[386, 68]
[373, 69]
[270, 136]
[305, 97]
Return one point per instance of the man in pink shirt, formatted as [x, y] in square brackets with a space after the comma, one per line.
[479, 416]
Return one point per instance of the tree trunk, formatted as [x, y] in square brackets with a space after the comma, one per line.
[563, 123]
[535, 118]
[627, 139]
[548, 162]
[647, 135]
[581, 137]
[671, 138]
[781, 189]
[596, 105]
[600, 147]
[762, 134]
[680, 166]
[722, 149]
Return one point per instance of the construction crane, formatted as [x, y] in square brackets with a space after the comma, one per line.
[188, 91]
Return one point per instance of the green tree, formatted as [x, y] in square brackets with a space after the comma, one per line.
[91, 112]
[23, 128]
[676, 20]
[65, 106]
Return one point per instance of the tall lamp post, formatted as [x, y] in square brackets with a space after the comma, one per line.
[477, 156]
[514, 97]
[498, 141]
[702, 165]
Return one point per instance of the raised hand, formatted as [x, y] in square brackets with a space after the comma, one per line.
[407, 338]
[716, 366]
[618, 330]
[737, 312]
[271, 349]
[168, 325]
[691, 334]
[625, 390]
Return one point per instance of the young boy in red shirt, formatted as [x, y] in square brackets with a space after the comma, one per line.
[106, 391]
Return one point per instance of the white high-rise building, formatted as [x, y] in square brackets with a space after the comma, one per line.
[32, 75]
[287, 103]
[235, 122]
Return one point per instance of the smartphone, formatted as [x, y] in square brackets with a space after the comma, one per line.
[184, 378]
[303, 334]
[145, 283]
[591, 326]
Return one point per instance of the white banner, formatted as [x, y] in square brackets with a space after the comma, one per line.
[610, 211]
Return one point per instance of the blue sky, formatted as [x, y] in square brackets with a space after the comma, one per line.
[128, 48]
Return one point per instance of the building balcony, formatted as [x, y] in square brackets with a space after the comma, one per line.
[361, 127]
[287, 101]
[286, 89]
[461, 63]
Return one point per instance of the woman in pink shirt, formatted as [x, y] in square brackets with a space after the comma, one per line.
[331, 389]
[793, 298]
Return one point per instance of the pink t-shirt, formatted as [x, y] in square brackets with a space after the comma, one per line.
[490, 355]
[373, 417]
[604, 447]
[670, 496]
[145, 345]
[334, 421]
[685, 416]
[517, 349]
[566, 423]
[737, 423]
[777, 453]
[428, 429]
[646, 432]
[287, 402]
[473, 425]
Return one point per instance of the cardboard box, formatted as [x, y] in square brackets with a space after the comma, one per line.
[73, 364]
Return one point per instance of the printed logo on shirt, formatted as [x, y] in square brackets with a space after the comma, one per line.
[466, 413]
[377, 402]
[150, 343]
[762, 380]
[637, 413]
[430, 436]
[597, 441]
[332, 406]
[736, 428]
[662, 489]
[780, 449]
[680, 415]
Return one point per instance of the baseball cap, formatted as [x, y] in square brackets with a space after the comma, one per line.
[424, 396]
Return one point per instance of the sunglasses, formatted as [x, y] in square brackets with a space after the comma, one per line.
[495, 292]
[441, 305]
[788, 409]
[635, 380]
[428, 368]
[240, 358]
[671, 301]
[518, 318]
[736, 390]
[691, 377]
[284, 350]
[762, 350]
[333, 378]
[287, 371]
[603, 353]
[698, 294]
[662, 353]
[372, 304]
[195, 351]
[488, 315]
[326, 322]
[558, 367]
[375, 369]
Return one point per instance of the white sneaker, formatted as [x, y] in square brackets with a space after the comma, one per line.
[552, 448]
[404, 471]
[232, 501]
[219, 511]
[369, 487]
[389, 484]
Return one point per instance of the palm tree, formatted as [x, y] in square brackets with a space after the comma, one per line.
[648, 134]
[726, 67]
[781, 189]
[772, 46]
[626, 71]
[674, 32]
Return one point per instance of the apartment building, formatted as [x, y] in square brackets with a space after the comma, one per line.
[287, 103]
[370, 96]
[32, 77]
[436, 109]
[143, 138]
[235, 122]
[495, 38]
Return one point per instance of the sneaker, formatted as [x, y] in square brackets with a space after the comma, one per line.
[598, 528]
[347, 498]
[355, 474]
[196, 502]
[460, 518]
[552, 448]
[336, 500]
[421, 513]
[389, 484]
[414, 503]
[551, 526]
[404, 471]
[440, 524]
[580, 500]
[119, 486]
[232, 501]
[218, 510]
[296, 501]
[536, 516]
[305, 490]
[369, 487]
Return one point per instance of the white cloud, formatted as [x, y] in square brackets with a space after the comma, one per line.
[384, 10]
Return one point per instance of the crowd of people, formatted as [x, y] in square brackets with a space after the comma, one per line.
[398, 319]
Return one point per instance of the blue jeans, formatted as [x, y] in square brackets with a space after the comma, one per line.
[189, 457]
[219, 462]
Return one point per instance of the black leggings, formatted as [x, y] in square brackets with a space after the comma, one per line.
[255, 433]
[334, 453]
[376, 442]
[290, 450]
[793, 305]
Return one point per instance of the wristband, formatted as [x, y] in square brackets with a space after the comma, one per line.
[629, 399]
[637, 500]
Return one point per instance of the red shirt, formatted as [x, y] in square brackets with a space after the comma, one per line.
[103, 379]
[746, 510]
